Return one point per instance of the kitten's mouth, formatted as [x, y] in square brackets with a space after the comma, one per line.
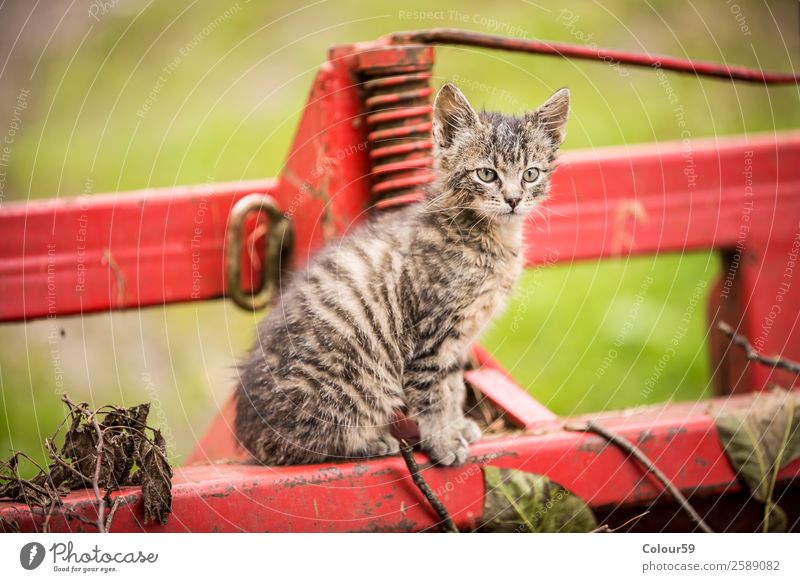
[509, 216]
[505, 214]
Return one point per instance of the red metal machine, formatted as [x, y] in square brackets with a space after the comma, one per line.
[363, 143]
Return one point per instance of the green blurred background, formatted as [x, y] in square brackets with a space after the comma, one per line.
[581, 337]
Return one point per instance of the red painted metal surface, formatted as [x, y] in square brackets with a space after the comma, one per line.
[101, 252]
[500, 389]
[379, 495]
[739, 196]
[671, 197]
[618, 201]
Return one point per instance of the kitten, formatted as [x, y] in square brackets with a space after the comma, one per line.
[382, 320]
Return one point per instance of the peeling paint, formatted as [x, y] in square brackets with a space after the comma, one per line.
[674, 431]
[488, 457]
[592, 445]
[645, 437]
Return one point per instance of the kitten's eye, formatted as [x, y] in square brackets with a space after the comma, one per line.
[486, 174]
[530, 175]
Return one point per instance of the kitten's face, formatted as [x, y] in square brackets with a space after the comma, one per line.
[498, 165]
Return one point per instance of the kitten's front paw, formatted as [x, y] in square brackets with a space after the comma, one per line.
[470, 431]
[380, 447]
[448, 449]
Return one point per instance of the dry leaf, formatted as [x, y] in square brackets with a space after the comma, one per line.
[126, 445]
[155, 477]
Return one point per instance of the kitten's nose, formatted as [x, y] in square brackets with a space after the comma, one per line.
[512, 202]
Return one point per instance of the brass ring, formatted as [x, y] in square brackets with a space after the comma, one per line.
[277, 248]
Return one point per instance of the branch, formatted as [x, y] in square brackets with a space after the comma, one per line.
[751, 354]
[635, 452]
[408, 456]
[101, 502]
[92, 418]
[113, 512]
[605, 528]
[48, 497]
[54, 455]
[46, 524]
[7, 526]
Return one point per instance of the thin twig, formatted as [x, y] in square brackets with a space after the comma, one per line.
[42, 490]
[32, 461]
[46, 524]
[68, 512]
[101, 503]
[408, 456]
[634, 451]
[113, 512]
[751, 354]
[13, 526]
[54, 455]
[606, 529]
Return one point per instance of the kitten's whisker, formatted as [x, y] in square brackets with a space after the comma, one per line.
[478, 223]
[536, 213]
[557, 213]
[541, 213]
[435, 200]
[455, 217]
[532, 216]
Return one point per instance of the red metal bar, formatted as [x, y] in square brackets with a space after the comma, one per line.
[500, 388]
[379, 496]
[82, 255]
[606, 203]
[468, 38]
[670, 197]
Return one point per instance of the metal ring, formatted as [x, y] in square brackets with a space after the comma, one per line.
[277, 248]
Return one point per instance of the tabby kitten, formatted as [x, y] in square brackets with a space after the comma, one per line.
[382, 319]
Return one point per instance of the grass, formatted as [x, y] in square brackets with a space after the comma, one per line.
[582, 337]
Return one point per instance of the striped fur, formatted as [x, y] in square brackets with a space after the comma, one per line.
[382, 319]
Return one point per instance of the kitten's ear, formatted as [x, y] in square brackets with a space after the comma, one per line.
[451, 114]
[552, 115]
